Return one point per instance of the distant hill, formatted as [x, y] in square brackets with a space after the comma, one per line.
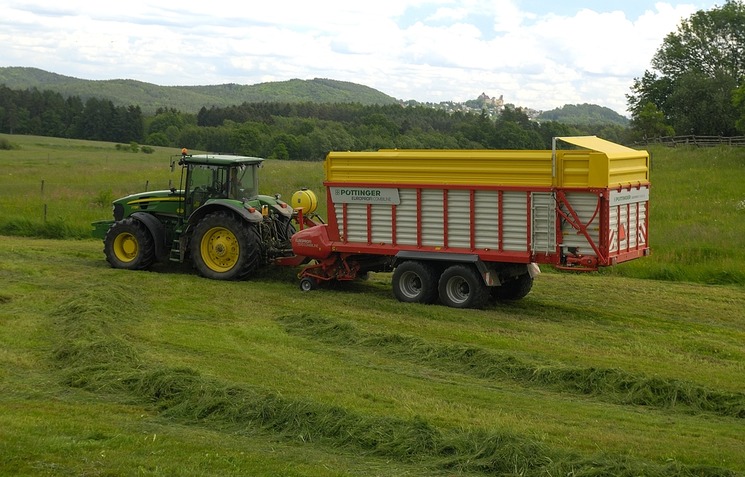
[584, 114]
[125, 92]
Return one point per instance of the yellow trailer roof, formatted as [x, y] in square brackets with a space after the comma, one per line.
[599, 163]
[610, 149]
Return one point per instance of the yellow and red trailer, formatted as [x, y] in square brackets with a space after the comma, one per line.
[467, 226]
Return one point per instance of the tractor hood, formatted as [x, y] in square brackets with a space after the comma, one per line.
[165, 201]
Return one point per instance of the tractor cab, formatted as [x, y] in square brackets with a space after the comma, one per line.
[207, 177]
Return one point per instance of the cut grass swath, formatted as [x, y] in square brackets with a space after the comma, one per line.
[97, 358]
[610, 384]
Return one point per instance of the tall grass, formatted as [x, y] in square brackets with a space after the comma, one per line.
[697, 216]
[55, 188]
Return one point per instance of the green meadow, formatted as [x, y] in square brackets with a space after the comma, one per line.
[637, 370]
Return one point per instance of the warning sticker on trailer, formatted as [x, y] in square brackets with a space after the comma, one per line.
[364, 195]
[629, 196]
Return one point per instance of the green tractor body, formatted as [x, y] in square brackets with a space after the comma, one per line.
[217, 219]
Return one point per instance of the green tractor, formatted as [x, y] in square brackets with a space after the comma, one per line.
[217, 219]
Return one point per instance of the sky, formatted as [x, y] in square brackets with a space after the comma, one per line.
[535, 54]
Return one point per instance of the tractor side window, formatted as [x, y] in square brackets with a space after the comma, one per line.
[242, 183]
[249, 180]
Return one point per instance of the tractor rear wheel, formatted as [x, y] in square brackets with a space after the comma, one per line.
[461, 286]
[129, 245]
[225, 247]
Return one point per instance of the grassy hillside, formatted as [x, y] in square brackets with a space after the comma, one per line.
[111, 372]
[191, 99]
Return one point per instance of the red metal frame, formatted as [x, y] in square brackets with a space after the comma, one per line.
[563, 209]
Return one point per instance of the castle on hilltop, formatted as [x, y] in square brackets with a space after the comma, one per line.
[494, 102]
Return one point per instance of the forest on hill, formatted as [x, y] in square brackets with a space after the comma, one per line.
[296, 131]
[151, 97]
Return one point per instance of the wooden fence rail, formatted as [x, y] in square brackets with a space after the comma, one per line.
[694, 140]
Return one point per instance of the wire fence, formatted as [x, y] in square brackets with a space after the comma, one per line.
[694, 140]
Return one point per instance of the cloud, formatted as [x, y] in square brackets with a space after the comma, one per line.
[411, 49]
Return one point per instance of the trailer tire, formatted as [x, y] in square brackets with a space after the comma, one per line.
[513, 289]
[307, 284]
[461, 286]
[415, 282]
[225, 247]
[129, 245]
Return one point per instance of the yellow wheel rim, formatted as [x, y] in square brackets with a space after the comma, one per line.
[126, 247]
[219, 249]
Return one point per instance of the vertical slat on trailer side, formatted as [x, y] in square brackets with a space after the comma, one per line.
[486, 220]
[514, 223]
[406, 217]
[382, 223]
[431, 224]
[459, 213]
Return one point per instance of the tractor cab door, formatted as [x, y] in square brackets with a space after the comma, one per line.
[204, 182]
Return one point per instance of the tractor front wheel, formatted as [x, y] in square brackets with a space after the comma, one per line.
[225, 247]
[129, 245]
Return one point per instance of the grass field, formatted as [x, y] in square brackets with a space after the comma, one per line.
[635, 371]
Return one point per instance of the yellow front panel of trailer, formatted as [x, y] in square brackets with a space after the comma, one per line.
[600, 164]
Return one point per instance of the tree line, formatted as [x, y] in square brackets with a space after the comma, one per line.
[48, 113]
[298, 131]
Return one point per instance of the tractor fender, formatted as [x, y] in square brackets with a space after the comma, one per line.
[283, 209]
[246, 214]
[156, 229]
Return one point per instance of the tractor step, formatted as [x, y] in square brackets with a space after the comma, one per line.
[175, 255]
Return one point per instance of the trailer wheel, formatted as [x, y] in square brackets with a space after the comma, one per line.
[225, 247]
[513, 289]
[129, 245]
[461, 286]
[415, 282]
[307, 284]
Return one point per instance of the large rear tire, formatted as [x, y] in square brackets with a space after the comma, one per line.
[129, 245]
[415, 282]
[461, 286]
[225, 247]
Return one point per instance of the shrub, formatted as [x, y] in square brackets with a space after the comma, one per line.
[6, 145]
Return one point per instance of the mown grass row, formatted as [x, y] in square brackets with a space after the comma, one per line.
[92, 354]
[608, 384]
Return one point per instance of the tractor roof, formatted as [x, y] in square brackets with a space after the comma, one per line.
[220, 159]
